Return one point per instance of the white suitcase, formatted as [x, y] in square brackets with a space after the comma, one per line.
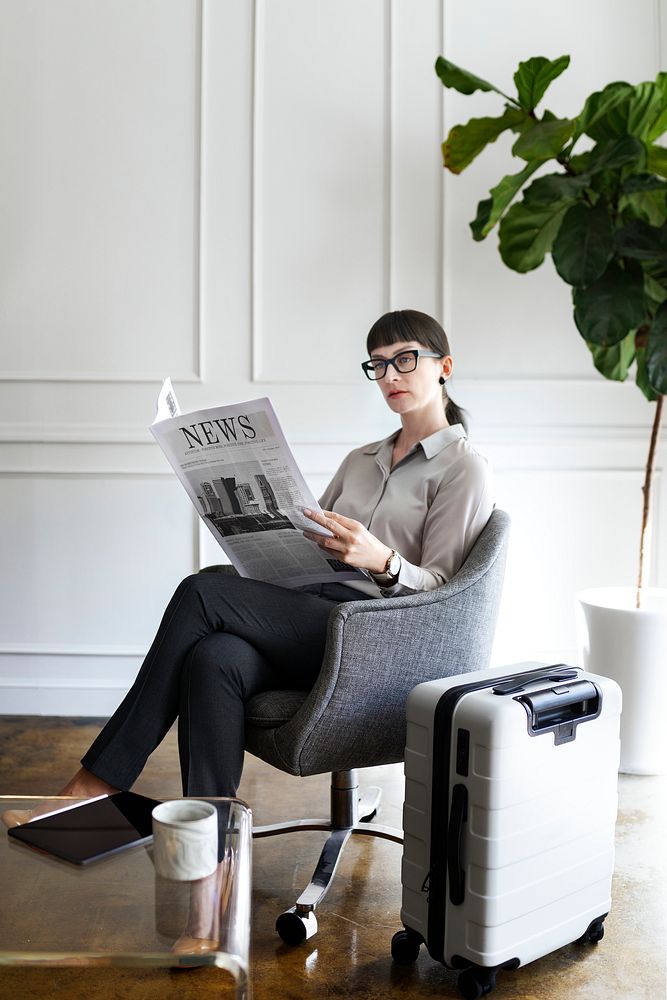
[510, 806]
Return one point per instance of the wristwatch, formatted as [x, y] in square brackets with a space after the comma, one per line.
[389, 575]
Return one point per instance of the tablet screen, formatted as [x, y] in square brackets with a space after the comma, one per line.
[89, 830]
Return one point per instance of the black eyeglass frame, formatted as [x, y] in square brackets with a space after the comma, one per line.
[367, 366]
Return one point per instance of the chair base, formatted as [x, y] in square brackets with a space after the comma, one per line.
[349, 814]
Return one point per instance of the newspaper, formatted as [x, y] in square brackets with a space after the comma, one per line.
[240, 473]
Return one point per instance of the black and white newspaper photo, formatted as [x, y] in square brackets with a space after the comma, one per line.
[239, 471]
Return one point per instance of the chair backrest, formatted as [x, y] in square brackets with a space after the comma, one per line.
[376, 652]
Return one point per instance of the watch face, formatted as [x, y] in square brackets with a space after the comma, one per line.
[395, 565]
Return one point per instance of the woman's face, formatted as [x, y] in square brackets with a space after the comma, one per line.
[415, 390]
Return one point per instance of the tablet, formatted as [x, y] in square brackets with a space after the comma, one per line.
[86, 831]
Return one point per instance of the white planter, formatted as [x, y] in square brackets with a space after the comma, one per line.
[630, 646]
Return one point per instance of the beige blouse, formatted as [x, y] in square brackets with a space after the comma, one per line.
[430, 507]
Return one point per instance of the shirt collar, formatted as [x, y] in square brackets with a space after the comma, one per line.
[431, 445]
[437, 442]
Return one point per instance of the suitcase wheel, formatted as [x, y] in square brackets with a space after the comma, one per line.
[593, 933]
[471, 987]
[405, 947]
[596, 934]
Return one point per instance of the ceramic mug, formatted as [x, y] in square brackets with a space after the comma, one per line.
[185, 839]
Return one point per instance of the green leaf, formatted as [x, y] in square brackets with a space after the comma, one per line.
[579, 162]
[544, 140]
[656, 160]
[642, 182]
[656, 351]
[613, 154]
[534, 76]
[465, 142]
[641, 377]
[644, 109]
[594, 118]
[460, 79]
[617, 111]
[659, 126]
[656, 270]
[491, 209]
[584, 244]
[613, 305]
[614, 362]
[648, 205]
[479, 224]
[527, 233]
[554, 187]
[655, 292]
[642, 242]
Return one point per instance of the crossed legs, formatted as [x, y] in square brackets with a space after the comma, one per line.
[222, 638]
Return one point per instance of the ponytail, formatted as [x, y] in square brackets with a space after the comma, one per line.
[454, 414]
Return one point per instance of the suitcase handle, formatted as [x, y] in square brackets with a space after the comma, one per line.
[559, 672]
[559, 706]
[457, 817]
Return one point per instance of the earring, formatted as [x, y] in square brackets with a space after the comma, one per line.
[441, 380]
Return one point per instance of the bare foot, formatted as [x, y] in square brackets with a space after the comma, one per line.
[87, 785]
[193, 946]
[83, 785]
[17, 817]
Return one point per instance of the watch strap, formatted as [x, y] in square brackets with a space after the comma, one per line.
[385, 578]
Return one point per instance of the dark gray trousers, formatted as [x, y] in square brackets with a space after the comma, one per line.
[222, 639]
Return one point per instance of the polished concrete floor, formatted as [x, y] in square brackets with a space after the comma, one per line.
[350, 954]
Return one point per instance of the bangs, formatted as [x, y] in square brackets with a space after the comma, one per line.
[406, 325]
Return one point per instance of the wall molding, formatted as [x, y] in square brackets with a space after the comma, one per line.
[129, 378]
[389, 192]
[256, 151]
[68, 433]
[501, 432]
[71, 649]
[120, 474]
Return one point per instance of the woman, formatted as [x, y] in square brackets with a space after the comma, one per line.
[405, 510]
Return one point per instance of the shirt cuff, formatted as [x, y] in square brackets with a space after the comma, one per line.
[413, 580]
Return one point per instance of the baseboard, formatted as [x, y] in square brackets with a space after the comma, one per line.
[60, 699]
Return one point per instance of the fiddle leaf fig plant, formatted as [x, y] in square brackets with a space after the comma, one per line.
[598, 206]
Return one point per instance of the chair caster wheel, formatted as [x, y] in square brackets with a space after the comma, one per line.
[405, 948]
[295, 928]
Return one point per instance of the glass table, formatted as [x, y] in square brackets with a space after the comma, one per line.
[118, 911]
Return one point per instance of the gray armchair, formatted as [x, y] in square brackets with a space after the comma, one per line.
[354, 716]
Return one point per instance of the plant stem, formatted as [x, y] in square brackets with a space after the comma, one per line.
[646, 490]
[565, 163]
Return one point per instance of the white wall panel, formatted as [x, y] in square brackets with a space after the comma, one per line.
[563, 540]
[416, 271]
[89, 561]
[321, 183]
[99, 197]
[89, 683]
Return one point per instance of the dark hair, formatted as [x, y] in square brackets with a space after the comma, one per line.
[409, 324]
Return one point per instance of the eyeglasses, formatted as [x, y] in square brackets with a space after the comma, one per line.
[406, 361]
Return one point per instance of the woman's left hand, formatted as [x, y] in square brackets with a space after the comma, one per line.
[352, 543]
